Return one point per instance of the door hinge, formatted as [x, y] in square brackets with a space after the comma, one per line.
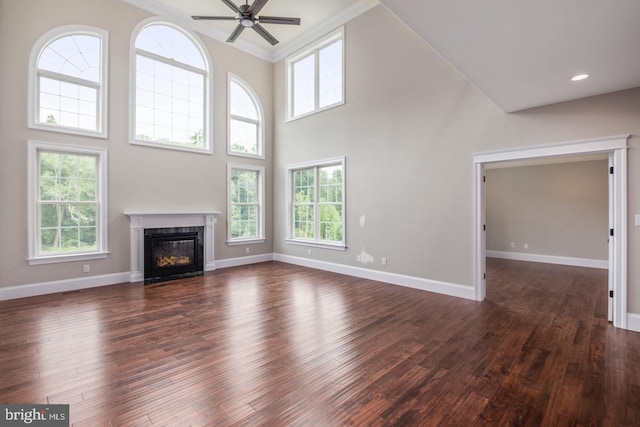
[484, 275]
[611, 232]
[610, 294]
[484, 227]
[611, 170]
[484, 178]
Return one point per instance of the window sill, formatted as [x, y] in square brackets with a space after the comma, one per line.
[332, 246]
[175, 147]
[69, 130]
[246, 155]
[315, 111]
[54, 259]
[244, 242]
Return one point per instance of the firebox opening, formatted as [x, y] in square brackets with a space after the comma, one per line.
[172, 253]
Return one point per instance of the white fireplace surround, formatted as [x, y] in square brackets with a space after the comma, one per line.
[140, 220]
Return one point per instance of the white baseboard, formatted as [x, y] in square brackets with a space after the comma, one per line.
[244, 260]
[633, 322]
[13, 292]
[550, 259]
[445, 288]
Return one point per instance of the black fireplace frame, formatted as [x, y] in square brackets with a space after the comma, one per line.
[155, 236]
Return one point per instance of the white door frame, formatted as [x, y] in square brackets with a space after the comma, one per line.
[616, 147]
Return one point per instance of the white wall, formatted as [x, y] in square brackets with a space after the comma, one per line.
[556, 209]
[409, 129]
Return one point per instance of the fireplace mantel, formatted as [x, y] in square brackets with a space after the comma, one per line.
[140, 220]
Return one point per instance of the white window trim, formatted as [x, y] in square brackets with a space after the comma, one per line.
[262, 213]
[34, 257]
[208, 87]
[103, 87]
[313, 49]
[261, 132]
[340, 246]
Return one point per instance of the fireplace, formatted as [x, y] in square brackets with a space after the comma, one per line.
[141, 222]
[172, 253]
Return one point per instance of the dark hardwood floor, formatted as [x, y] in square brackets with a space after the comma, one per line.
[275, 344]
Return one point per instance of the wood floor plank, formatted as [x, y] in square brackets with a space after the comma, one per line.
[277, 344]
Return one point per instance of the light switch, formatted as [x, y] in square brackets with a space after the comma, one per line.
[637, 220]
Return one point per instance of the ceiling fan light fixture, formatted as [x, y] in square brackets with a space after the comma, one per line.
[247, 22]
[579, 77]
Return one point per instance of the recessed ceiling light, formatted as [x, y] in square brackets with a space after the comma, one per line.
[579, 77]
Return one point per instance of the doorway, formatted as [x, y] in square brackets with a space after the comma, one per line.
[616, 149]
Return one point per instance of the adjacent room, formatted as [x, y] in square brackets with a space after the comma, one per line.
[347, 212]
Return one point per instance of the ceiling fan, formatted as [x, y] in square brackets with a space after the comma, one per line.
[247, 15]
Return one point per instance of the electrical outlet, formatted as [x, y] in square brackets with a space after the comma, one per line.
[309, 252]
[246, 250]
[384, 260]
[526, 246]
[513, 244]
[86, 268]
[358, 258]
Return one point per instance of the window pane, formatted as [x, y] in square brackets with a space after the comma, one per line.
[243, 136]
[67, 203]
[87, 239]
[330, 74]
[49, 240]
[320, 220]
[331, 222]
[68, 81]
[244, 186]
[240, 102]
[68, 227]
[175, 114]
[86, 214]
[304, 85]
[244, 204]
[69, 240]
[331, 184]
[304, 186]
[244, 221]
[49, 215]
[304, 221]
[75, 55]
[170, 43]
[68, 104]
[68, 181]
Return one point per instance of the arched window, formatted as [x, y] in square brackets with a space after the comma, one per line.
[171, 97]
[245, 124]
[68, 85]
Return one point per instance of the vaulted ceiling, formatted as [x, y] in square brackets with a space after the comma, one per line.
[522, 54]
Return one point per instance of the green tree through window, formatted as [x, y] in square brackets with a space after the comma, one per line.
[67, 202]
[245, 203]
[318, 203]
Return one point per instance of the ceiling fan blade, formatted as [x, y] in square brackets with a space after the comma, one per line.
[235, 33]
[232, 5]
[257, 5]
[211, 18]
[265, 34]
[278, 20]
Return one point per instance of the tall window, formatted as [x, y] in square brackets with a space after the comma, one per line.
[245, 130]
[316, 202]
[315, 77]
[69, 78]
[171, 102]
[246, 203]
[67, 203]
